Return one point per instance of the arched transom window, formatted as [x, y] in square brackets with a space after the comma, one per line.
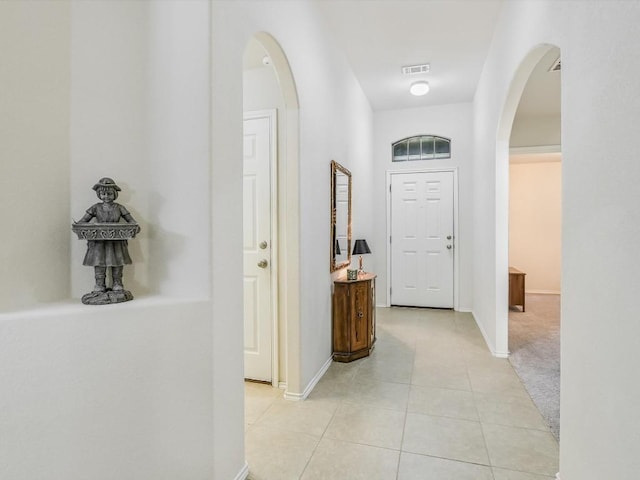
[421, 147]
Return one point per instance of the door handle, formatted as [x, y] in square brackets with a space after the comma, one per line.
[449, 247]
[263, 245]
[448, 237]
[263, 263]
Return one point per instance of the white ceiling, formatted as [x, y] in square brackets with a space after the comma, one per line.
[541, 95]
[379, 37]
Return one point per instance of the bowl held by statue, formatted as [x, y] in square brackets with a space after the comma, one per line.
[105, 231]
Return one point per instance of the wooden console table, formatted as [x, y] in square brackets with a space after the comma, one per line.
[354, 317]
[516, 287]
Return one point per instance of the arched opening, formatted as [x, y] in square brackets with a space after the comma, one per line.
[528, 229]
[269, 86]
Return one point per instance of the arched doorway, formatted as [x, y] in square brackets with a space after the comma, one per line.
[263, 50]
[529, 186]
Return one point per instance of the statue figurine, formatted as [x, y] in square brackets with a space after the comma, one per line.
[107, 243]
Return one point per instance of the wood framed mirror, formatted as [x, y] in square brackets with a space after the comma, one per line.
[340, 216]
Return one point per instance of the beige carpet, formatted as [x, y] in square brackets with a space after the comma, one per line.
[534, 343]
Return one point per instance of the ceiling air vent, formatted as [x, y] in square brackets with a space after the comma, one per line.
[556, 66]
[416, 69]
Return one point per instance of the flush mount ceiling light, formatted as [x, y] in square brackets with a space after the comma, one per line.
[419, 88]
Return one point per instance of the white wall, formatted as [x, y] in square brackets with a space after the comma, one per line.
[34, 153]
[139, 114]
[451, 121]
[104, 393]
[535, 222]
[333, 116]
[154, 100]
[601, 221]
[126, 391]
[535, 131]
[261, 90]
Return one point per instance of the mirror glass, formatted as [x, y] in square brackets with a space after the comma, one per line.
[340, 216]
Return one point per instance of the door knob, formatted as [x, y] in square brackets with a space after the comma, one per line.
[448, 247]
[263, 263]
[263, 245]
[448, 237]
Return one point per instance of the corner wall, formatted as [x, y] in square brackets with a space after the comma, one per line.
[117, 391]
[601, 221]
[335, 122]
[139, 115]
[34, 153]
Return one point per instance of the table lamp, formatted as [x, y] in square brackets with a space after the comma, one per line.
[361, 248]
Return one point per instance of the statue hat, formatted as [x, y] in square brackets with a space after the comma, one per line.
[106, 182]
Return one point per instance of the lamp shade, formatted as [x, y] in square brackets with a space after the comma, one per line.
[361, 247]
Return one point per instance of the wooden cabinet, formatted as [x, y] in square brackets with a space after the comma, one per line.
[516, 287]
[354, 317]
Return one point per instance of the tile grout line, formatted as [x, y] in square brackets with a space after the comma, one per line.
[306, 465]
[475, 405]
[271, 404]
[406, 410]
[484, 438]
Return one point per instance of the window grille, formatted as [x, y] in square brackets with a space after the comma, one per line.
[421, 147]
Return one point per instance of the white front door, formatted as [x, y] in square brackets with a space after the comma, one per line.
[422, 242]
[257, 248]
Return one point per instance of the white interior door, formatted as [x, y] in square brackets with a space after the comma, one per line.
[422, 241]
[257, 249]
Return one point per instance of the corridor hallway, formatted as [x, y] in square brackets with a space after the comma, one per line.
[430, 403]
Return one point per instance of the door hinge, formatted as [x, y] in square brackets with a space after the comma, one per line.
[389, 238]
[389, 188]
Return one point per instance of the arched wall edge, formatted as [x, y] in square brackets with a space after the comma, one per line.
[288, 217]
[505, 124]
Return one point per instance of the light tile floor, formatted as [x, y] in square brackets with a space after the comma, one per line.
[430, 403]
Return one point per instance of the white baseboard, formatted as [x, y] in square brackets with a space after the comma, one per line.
[282, 385]
[543, 292]
[244, 473]
[311, 385]
[494, 352]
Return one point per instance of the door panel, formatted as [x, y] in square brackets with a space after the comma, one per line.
[257, 234]
[360, 322]
[422, 239]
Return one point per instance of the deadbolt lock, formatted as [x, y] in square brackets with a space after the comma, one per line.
[263, 244]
